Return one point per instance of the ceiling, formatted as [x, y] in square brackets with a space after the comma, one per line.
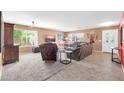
[63, 20]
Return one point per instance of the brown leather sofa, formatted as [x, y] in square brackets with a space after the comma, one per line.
[48, 51]
[81, 51]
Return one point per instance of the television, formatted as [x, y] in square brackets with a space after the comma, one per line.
[50, 38]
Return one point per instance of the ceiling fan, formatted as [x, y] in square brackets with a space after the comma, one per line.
[32, 24]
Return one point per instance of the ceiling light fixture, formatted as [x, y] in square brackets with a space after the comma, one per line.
[32, 25]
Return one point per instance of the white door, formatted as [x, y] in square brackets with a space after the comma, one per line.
[109, 39]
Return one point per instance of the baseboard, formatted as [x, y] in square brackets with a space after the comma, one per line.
[96, 51]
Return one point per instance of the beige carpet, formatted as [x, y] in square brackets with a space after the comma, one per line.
[97, 66]
[30, 67]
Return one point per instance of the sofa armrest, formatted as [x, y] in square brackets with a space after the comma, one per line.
[75, 54]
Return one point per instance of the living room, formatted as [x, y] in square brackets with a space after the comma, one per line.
[85, 42]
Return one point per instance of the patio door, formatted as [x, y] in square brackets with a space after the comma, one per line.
[109, 39]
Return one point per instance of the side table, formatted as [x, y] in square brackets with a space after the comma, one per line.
[117, 60]
[65, 61]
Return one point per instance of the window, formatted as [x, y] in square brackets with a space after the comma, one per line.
[60, 37]
[76, 37]
[25, 37]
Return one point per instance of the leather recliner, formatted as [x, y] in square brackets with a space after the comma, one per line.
[48, 51]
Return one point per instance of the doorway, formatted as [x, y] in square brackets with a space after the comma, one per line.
[109, 39]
